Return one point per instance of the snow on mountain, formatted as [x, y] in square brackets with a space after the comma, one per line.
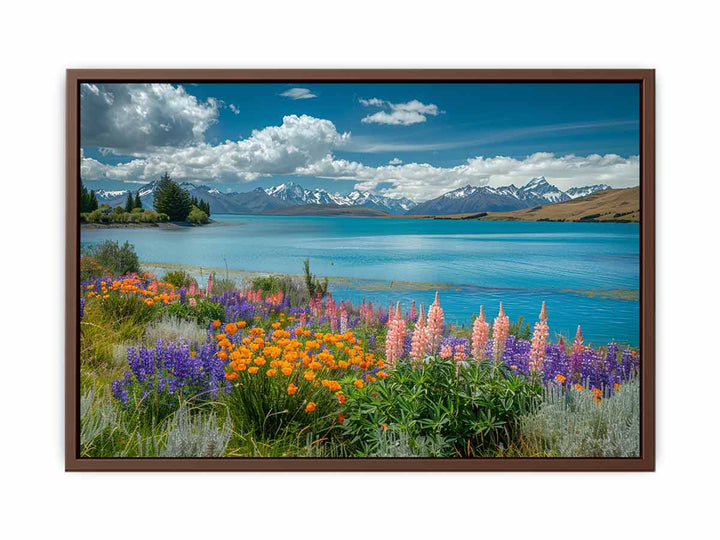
[577, 192]
[469, 199]
[296, 194]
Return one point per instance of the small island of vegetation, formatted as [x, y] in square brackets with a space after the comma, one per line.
[171, 204]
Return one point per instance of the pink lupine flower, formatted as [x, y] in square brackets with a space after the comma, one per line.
[303, 319]
[539, 341]
[481, 330]
[331, 312]
[501, 330]
[419, 338]
[413, 311]
[208, 290]
[446, 351]
[578, 346]
[192, 290]
[343, 318]
[192, 302]
[394, 341]
[459, 355]
[577, 351]
[561, 343]
[391, 314]
[435, 322]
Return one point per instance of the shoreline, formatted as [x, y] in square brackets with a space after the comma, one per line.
[369, 285]
[158, 225]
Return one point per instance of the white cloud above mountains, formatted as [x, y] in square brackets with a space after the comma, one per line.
[399, 114]
[162, 128]
[298, 93]
[133, 118]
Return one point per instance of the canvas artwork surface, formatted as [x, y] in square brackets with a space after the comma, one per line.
[359, 270]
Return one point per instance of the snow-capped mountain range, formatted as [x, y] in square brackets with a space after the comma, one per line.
[469, 199]
[466, 199]
[296, 194]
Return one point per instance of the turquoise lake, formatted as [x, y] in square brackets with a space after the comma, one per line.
[588, 273]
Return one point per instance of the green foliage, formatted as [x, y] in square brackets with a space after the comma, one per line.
[292, 288]
[137, 204]
[203, 313]
[136, 216]
[570, 423]
[197, 216]
[119, 210]
[201, 205]
[88, 199]
[109, 321]
[130, 203]
[436, 408]
[119, 260]
[178, 278]
[313, 285]
[520, 329]
[171, 199]
[222, 285]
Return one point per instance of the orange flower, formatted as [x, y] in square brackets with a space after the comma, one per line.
[342, 398]
[382, 374]
[253, 369]
[231, 376]
[271, 372]
[560, 378]
[341, 418]
[309, 375]
[617, 387]
[222, 355]
[216, 323]
[241, 324]
[359, 383]
[310, 407]
[231, 328]
[579, 387]
[291, 389]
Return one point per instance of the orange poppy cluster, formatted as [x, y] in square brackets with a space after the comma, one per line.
[156, 292]
[300, 356]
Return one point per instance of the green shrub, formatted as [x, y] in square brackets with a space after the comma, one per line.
[570, 423]
[222, 285]
[197, 216]
[436, 407]
[174, 329]
[178, 278]
[203, 313]
[519, 329]
[312, 283]
[119, 260]
[292, 288]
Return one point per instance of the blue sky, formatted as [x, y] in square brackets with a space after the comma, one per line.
[414, 140]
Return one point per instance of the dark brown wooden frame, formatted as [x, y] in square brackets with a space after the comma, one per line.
[646, 80]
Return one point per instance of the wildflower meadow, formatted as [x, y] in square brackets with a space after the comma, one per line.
[279, 367]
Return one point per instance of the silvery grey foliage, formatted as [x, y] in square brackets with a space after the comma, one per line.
[572, 424]
[397, 443]
[196, 435]
[174, 329]
[96, 417]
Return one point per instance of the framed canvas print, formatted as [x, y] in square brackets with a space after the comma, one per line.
[360, 270]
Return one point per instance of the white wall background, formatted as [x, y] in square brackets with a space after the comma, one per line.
[39, 42]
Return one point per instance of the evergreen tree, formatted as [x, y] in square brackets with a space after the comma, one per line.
[171, 199]
[84, 199]
[138, 202]
[93, 200]
[130, 203]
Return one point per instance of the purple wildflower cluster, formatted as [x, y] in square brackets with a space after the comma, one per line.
[593, 368]
[170, 368]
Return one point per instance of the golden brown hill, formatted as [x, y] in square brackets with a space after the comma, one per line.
[618, 205]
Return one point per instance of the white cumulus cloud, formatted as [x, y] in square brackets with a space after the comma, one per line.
[131, 118]
[298, 93]
[399, 114]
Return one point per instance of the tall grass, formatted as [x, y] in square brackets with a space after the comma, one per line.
[571, 423]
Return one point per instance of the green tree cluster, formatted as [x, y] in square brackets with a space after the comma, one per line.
[88, 199]
[133, 202]
[172, 200]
